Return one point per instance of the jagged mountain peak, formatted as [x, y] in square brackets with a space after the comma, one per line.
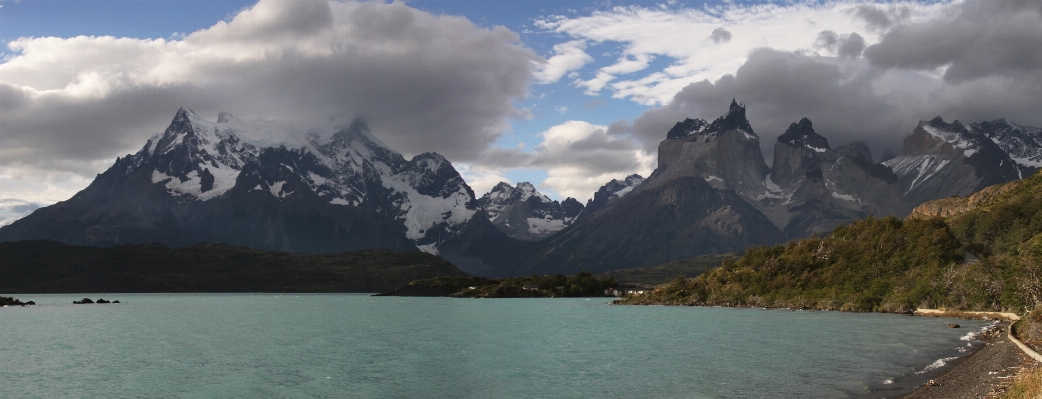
[734, 120]
[1022, 143]
[522, 212]
[357, 131]
[802, 134]
[611, 191]
[688, 127]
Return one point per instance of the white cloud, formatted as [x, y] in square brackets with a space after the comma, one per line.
[568, 56]
[480, 178]
[693, 39]
[14, 209]
[579, 157]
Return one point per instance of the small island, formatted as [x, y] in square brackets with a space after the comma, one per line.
[9, 301]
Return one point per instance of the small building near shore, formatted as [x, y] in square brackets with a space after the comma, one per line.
[623, 291]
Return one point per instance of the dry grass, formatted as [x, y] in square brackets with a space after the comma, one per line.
[1027, 386]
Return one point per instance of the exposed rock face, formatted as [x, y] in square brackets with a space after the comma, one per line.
[1022, 143]
[952, 206]
[726, 154]
[524, 213]
[264, 186]
[812, 187]
[942, 160]
[611, 191]
[692, 205]
[680, 219]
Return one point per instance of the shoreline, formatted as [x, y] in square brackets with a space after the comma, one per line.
[985, 373]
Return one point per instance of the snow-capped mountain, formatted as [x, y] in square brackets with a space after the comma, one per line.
[812, 187]
[944, 159]
[524, 213]
[712, 192]
[1022, 143]
[611, 191]
[201, 167]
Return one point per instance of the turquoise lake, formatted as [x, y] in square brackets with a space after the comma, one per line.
[357, 346]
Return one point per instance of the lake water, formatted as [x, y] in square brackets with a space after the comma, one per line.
[356, 346]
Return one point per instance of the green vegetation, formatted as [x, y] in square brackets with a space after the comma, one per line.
[890, 265]
[53, 267]
[583, 284]
[664, 273]
[1029, 329]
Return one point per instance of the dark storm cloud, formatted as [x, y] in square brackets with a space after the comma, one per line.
[848, 45]
[880, 17]
[990, 53]
[422, 82]
[720, 35]
[981, 38]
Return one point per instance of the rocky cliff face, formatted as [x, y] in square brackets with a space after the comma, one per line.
[724, 153]
[952, 206]
[691, 205]
[813, 187]
[712, 192]
[264, 186]
[524, 213]
[1022, 143]
[610, 192]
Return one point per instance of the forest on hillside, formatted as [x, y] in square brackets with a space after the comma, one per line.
[988, 257]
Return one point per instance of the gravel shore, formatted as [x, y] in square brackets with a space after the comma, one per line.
[987, 372]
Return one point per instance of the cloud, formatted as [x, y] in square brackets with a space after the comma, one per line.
[685, 42]
[580, 157]
[567, 57]
[480, 178]
[977, 39]
[778, 88]
[720, 35]
[847, 45]
[882, 16]
[14, 209]
[422, 82]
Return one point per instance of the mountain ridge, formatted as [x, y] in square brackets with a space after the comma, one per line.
[334, 189]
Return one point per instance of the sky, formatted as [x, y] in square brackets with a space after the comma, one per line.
[564, 94]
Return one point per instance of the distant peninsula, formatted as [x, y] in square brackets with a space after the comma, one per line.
[45, 266]
[582, 284]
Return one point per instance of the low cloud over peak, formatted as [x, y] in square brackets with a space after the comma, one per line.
[422, 82]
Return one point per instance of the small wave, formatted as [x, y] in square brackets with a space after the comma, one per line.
[936, 365]
[888, 381]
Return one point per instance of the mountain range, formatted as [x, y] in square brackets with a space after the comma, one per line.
[335, 189]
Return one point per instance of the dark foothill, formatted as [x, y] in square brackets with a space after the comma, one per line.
[82, 301]
[116, 301]
[953, 325]
[102, 300]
